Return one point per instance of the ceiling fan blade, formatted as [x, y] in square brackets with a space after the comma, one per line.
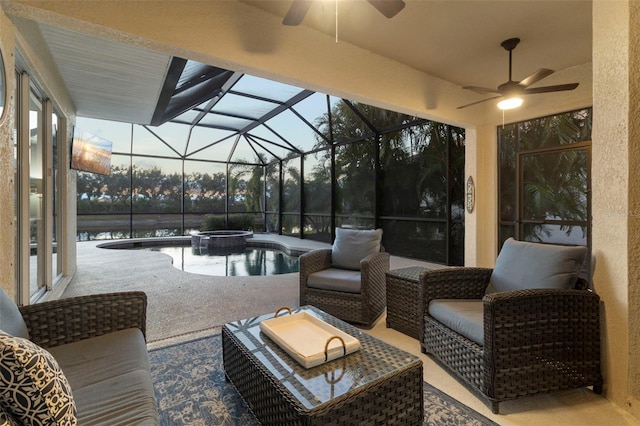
[478, 102]
[536, 77]
[547, 89]
[388, 8]
[478, 89]
[297, 12]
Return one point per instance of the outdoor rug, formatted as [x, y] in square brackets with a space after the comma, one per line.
[191, 390]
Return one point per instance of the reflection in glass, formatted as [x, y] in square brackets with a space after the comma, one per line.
[3, 85]
[36, 189]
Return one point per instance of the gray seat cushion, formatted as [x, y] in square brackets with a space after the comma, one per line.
[334, 279]
[96, 359]
[353, 245]
[110, 378]
[522, 265]
[466, 317]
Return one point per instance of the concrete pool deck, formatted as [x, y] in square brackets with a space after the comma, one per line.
[181, 302]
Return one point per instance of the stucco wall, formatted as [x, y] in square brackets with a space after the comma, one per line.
[612, 200]
[634, 204]
[7, 226]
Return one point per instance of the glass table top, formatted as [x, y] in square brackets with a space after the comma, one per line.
[317, 385]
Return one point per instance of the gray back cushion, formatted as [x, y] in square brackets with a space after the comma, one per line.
[11, 321]
[521, 265]
[353, 245]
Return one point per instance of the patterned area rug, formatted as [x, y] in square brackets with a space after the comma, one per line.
[191, 390]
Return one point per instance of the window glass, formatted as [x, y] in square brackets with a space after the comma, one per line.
[3, 85]
[544, 172]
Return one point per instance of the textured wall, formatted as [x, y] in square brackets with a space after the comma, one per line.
[611, 184]
[7, 226]
[634, 203]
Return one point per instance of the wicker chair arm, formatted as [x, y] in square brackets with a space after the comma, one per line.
[541, 323]
[314, 261]
[73, 319]
[454, 283]
[372, 273]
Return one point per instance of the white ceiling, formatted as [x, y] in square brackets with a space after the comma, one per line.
[456, 40]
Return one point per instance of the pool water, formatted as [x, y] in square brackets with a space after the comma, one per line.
[232, 261]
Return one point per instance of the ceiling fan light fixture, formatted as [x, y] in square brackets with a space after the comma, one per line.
[510, 103]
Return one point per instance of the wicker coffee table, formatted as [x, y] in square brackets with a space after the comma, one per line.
[378, 384]
[404, 296]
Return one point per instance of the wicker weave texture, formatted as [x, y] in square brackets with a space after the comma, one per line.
[535, 341]
[69, 320]
[404, 298]
[379, 384]
[361, 308]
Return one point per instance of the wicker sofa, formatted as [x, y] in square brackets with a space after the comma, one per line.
[79, 360]
[519, 329]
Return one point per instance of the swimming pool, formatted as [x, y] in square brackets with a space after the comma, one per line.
[231, 261]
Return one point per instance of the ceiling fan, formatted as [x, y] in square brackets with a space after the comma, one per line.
[518, 88]
[299, 9]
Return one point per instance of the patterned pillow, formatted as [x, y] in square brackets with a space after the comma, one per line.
[6, 419]
[33, 388]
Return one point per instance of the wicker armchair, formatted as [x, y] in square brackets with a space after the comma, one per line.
[361, 304]
[73, 319]
[535, 340]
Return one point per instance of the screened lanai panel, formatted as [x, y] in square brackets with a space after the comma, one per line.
[243, 105]
[218, 151]
[414, 180]
[105, 194]
[294, 130]
[265, 88]
[276, 147]
[383, 119]
[205, 186]
[145, 142]
[202, 137]
[315, 110]
[118, 133]
[220, 121]
[347, 124]
[246, 188]
[175, 135]
[244, 153]
[317, 182]
[355, 183]
[157, 185]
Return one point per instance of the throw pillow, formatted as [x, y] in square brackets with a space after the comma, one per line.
[6, 419]
[33, 388]
[522, 265]
[351, 246]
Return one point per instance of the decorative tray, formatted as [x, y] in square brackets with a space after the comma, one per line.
[308, 339]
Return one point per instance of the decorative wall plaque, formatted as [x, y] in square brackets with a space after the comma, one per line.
[471, 196]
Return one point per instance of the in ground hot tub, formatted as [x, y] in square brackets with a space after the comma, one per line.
[216, 239]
